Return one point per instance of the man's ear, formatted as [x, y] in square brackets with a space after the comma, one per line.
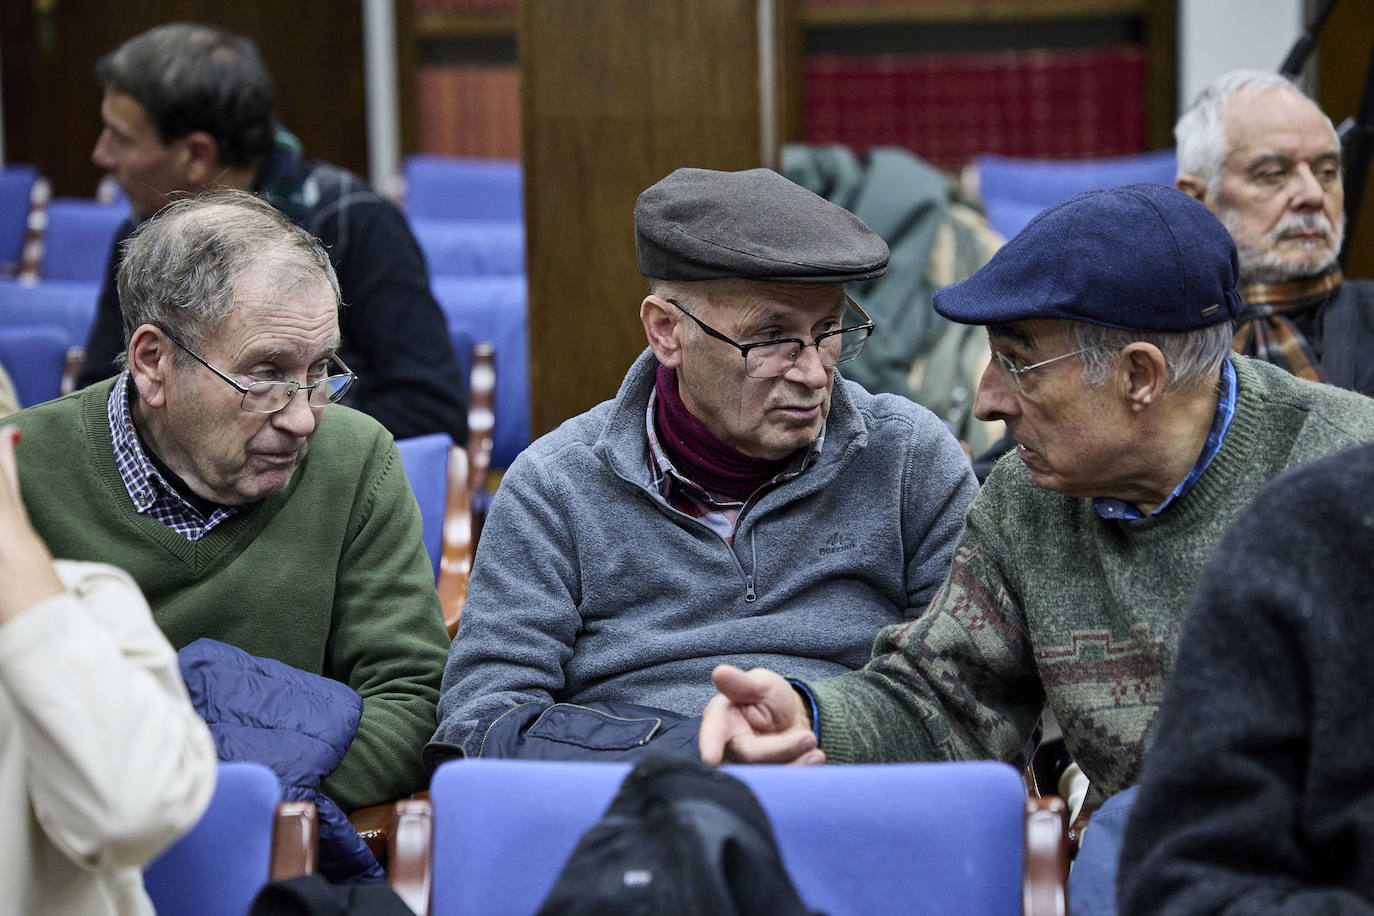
[1193, 186]
[150, 363]
[1146, 373]
[200, 160]
[660, 325]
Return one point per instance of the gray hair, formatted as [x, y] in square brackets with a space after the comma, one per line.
[695, 293]
[1193, 357]
[1199, 133]
[182, 267]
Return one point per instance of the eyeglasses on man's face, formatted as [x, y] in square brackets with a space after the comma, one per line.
[772, 358]
[270, 397]
[1016, 370]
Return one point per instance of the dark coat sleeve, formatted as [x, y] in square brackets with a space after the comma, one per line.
[409, 378]
[105, 342]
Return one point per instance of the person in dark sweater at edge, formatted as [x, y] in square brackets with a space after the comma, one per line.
[738, 501]
[1140, 439]
[1266, 160]
[1257, 796]
[189, 108]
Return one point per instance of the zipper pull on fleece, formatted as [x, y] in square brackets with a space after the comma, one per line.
[749, 588]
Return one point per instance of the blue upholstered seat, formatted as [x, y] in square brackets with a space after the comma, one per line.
[220, 865]
[34, 356]
[945, 838]
[1014, 190]
[453, 187]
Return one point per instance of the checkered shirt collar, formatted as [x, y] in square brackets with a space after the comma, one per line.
[149, 490]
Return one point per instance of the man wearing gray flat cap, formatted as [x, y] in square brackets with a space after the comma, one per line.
[737, 502]
[1140, 438]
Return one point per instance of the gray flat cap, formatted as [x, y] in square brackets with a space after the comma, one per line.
[698, 224]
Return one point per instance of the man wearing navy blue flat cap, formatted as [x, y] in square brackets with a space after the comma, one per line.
[737, 502]
[1140, 437]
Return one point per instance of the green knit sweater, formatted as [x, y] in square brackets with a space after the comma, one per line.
[328, 576]
[1047, 602]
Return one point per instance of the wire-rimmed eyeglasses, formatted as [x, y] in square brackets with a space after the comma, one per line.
[772, 358]
[270, 397]
[1016, 371]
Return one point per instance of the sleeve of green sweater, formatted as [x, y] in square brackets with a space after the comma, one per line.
[387, 641]
[959, 682]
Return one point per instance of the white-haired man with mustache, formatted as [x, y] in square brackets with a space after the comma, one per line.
[1267, 161]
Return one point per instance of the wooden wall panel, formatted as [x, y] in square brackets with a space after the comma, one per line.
[615, 94]
[1344, 50]
[52, 101]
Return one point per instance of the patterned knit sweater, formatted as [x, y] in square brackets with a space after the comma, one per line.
[1047, 602]
[328, 576]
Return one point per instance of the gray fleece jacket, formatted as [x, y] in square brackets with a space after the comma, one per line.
[588, 587]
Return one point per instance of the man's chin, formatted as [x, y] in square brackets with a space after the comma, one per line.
[1282, 267]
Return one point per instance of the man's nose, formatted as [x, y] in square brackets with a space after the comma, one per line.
[1308, 193]
[996, 398]
[808, 369]
[100, 153]
[298, 417]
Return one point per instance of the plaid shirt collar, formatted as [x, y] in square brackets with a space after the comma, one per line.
[673, 486]
[149, 490]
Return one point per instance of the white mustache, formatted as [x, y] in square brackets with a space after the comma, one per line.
[1304, 222]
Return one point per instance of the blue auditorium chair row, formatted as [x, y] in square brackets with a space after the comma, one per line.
[959, 839]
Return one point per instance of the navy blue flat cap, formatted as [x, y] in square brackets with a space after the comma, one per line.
[1141, 257]
[698, 224]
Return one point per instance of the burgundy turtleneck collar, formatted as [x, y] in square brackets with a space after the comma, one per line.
[701, 456]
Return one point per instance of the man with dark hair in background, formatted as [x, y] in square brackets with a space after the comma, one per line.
[189, 108]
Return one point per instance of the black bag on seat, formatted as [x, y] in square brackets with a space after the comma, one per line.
[679, 839]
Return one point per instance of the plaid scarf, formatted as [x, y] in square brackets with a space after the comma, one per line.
[1266, 328]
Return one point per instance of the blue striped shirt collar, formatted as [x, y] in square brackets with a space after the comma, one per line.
[1107, 507]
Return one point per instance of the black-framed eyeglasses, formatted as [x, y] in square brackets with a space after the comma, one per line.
[270, 397]
[772, 358]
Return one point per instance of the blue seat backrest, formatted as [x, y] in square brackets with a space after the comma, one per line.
[70, 306]
[219, 867]
[944, 838]
[1014, 190]
[494, 309]
[16, 190]
[34, 356]
[426, 462]
[77, 243]
[452, 187]
[471, 248]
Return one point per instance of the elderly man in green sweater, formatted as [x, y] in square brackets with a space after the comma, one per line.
[1140, 438]
[247, 508]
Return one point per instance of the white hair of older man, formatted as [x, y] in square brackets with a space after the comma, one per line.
[1199, 133]
[1192, 357]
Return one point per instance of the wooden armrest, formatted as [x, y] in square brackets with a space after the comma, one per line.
[481, 425]
[72, 365]
[373, 824]
[409, 854]
[455, 558]
[1045, 888]
[376, 824]
[295, 840]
